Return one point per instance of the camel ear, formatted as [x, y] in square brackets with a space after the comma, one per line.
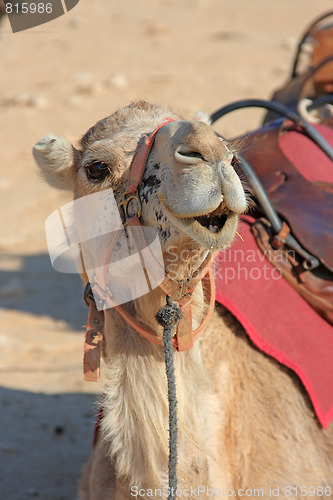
[55, 156]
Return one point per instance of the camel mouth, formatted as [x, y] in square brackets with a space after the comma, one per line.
[214, 223]
[214, 229]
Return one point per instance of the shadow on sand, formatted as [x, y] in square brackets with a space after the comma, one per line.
[29, 284]
[44, 442]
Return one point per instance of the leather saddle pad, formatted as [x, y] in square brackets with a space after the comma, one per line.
[276, 318]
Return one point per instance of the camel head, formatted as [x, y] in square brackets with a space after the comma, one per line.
[189, 191]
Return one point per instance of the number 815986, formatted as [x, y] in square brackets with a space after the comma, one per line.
[303, 491]
[28, 8]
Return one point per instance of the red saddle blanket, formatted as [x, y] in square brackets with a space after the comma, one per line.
[278, 320]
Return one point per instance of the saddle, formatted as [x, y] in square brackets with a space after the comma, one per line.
[311, 74]
[288, 164]
[298, 179]
[288, 234]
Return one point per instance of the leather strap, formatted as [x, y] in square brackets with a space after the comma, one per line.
[140, 158]
[180, 291]
[184, 337]
[93, 342]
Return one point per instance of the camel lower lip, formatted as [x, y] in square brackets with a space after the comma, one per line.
[214, 223]
[212, 230]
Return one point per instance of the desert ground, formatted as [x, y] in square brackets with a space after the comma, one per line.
[62, 77]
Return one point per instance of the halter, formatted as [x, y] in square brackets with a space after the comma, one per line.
[179, 291]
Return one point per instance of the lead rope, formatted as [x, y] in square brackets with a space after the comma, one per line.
[168, 317]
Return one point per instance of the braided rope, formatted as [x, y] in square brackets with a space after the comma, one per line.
[168, 317]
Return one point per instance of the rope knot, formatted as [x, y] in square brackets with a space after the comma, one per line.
[169, 315]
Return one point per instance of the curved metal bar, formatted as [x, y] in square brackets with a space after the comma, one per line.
[325, 99]
[310, 261]
[282, 110]
[277, 107]
[260, 193]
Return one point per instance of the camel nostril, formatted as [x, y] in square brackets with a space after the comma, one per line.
[187, 155]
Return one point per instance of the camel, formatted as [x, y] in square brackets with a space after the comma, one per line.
[246, 426]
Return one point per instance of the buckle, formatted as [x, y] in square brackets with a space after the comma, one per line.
[102, 295]
[126, 199]
[87, 294]
[279, 240]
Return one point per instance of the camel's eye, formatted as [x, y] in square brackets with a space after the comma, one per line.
[97, 171]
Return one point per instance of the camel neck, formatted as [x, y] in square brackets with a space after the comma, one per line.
[135, 408]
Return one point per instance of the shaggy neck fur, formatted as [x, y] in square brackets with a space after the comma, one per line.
[136, 408]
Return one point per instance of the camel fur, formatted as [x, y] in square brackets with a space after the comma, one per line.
[246, 426]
